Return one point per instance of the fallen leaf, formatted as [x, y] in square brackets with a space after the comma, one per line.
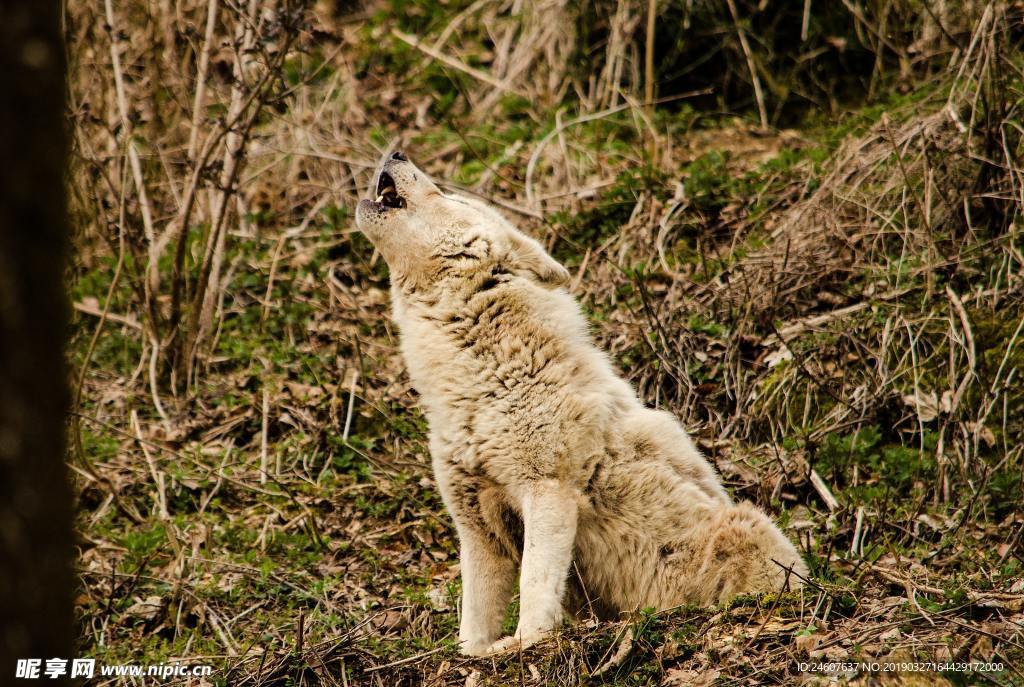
[146, 609]
[777, 356]
[678, 677]
[390, 620]
[806, 643]
[926, 403]
[440, 599]
[890, 635]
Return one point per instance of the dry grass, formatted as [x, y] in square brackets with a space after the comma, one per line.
[834, 309]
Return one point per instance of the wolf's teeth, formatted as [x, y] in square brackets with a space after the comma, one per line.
[380, 197]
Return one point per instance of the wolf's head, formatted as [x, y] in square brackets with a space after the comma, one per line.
[429, 237]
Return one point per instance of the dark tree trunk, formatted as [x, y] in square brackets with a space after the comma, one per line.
[36, 583]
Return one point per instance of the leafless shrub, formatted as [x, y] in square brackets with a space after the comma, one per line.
[162, 131]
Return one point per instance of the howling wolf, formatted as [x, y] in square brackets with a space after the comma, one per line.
[546, 459]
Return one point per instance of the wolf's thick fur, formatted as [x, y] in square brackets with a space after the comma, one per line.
[543, 454]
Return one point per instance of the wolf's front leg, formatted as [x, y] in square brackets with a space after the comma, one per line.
[549, 520]
[487, 578]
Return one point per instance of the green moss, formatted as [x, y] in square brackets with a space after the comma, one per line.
[832, 130]
[708, 183]
[143, 543]
[882, 466]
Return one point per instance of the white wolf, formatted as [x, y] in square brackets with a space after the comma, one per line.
[546, 459]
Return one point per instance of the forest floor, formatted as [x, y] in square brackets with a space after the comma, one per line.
[834, 310]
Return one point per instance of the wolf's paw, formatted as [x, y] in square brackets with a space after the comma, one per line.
[516, 643]
[474, 648]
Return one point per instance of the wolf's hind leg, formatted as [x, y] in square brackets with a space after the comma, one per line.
[746, 553]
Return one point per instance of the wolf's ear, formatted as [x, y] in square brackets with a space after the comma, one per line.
[528, 257]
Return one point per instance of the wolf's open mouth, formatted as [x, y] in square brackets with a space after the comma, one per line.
[387, 193]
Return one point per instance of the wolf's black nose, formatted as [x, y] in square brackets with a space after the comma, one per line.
[399, 155]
